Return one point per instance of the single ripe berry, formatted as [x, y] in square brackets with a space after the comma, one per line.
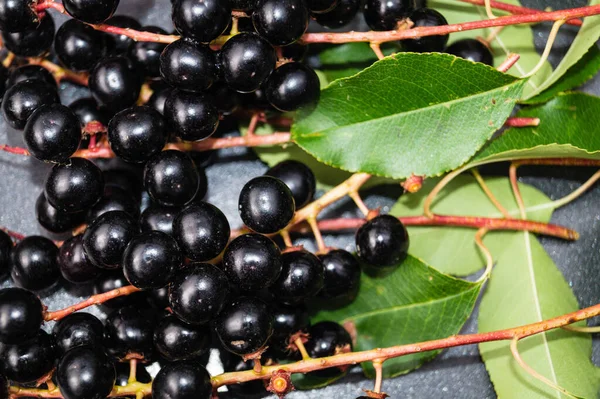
[385, 14]
[299, 179]
[34, 263]
[121, 44]
[23, 98]
[280, 22]
[198, 292]
[18, 16]
[136, 134]
[252, 262]
[342, 275]
[150, 260]
[114, 199]
[342, 14]
[6, 247]
[78, 329]
[171, 178]
[421, 18]
[160, 92]
[201, 230]
[129, 332]
[202, 20]
[188, 65]
[79, 46]
[52, 133]
[31, 43]
[104, 241]
[74, 187]
[158, 218]
[291, 86]
[327, 338]
[245, 325]
[159, 298]
[111, 281]
[114, 83]
[287, 321]
[30, 72]
[30, 360]
[266, 204]
[91, 11]
[73, 263]
[191, 116]
[301, 277]
[247, 60]
[147, 54]
[227, 101]
[176, 340]
[125, 179]
[85, 372]
[20, 315]
[472, 50]
[87, 110]
[182, 380]
[54, 220]
[321, 6]
[382, 241]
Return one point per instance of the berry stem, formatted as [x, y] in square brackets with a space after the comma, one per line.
[489, 194]
[522, 122]
[14, 150]
[510, 61]
[301, 348]
[13, 234]
[132, 371]
[378, 366]
[514, 9]
[60, 73]
[93, 300]
[257, 366]
[514, 183]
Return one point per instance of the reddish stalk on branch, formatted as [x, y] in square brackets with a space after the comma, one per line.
[14, 150]
[515, 9]
[13, 234]
[522, 122]
[510, 61]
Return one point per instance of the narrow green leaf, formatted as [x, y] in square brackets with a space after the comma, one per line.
[452, 249]
[421, 114]
[413, 304]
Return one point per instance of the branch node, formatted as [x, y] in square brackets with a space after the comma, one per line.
[281, 383]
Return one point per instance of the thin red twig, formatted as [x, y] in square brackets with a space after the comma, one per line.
[522, 122]
[515, 9]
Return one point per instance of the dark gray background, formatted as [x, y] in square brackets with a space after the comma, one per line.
[458, 372]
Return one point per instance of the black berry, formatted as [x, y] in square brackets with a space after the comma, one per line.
[78, 329]
[29, 360]
[266, 204]
[73, 263]
[301, 277]
[31, 43]
[21, 315]
[91, 11]
[342, 14]
[177, 340]
[382, 241]
[54, 220]
[158, 218]
[86, 372]
[26, 72]
[203, 20]
[129, 332]
[182, 380]
[188, 65]
[472, 50]
[121, 44]
[299, 179]
[321, 6]
[114, 83]
[6, 247]
[287, 321]
[147, 54]
[87, 110]
[421, 18]
[114, 199]
[192, 116]
[18, 16]
[34, 263]
[113, 280]
[342, 274]
[291, 86]
[160, 92]
[327, 338]
[171, 178]
[385, 14]
[23, 98]
[79, 46]
[104, 241]
[280, 22]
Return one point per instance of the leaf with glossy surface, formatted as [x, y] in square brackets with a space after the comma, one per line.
[422, 114]
[414, 303]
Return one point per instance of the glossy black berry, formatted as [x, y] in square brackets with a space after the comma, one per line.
[171, 178]
[52, 133]
[227, 101]
[472, 50]
[125, 179]
[114, 199]
[6, 247]
[251, 262]
[191, 116]
[159, 298]
[385, 14]
[342, 274]
[91, 11]
[86, 372]
[203, 20]
[87, 110]
[129, 332]
[182, 380]
[79, 46]
[421, 18]
[18, 16]
[188, 65]
[104, 241]
[301, 277]
[382, 241]
[35, 263]
[136, 134]
[159, 97]
[23, 98]
[247, 60]
[150, 260]
[29, 360]
[75, 186]
[78, 329]
[291, 86]
[30, 72]
[114, 83]
[121, 44]
[342, 14]
[147, 54]
[294, 52]
[299, 179]
[201, 230]
[177, 340]
[113, 280]
[20, 315]
[266, 204]
[158, 218]
[198, 292]
[54, 220]
[327, 338]
[280, 22]
[31, 43]
[73, 263]
[288, 320]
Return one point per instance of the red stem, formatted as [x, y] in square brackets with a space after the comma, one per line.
[13, 234]
[522, 122]
[515, 9]
[14, 150]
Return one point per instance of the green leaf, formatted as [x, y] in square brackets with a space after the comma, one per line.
[395, 119]
[569, 127]
[413, 304]
[585, 69]
[587, 37]
[516, 38]
[527, 287]
[452, 249]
